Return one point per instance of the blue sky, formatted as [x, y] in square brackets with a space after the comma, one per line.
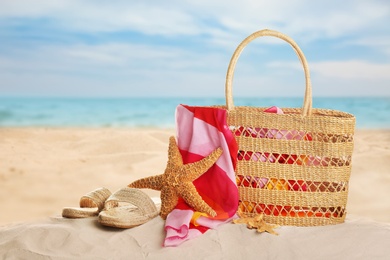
[183, 48]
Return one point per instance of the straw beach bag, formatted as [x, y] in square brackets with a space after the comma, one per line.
[293, 166]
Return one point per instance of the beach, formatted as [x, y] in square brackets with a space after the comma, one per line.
[261, 161]
[43, 170]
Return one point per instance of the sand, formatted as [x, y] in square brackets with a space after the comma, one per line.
[45, 169]
[58, 238]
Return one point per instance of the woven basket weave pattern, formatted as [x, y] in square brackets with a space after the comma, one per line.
[292, 167]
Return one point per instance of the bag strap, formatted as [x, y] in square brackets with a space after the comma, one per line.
[307, 103]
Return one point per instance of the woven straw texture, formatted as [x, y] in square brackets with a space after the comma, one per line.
[90, 204]
[128, 208]
[292, 167]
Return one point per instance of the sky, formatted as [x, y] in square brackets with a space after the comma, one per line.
[128, 48]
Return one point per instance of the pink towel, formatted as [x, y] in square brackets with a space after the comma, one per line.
[200, 130]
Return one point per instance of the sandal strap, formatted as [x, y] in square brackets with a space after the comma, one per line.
[95, 198]
[133, 196]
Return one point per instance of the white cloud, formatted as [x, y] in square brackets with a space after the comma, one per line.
[350, 69]
[378, 42]
[219, 24]
[353, 69]
[113, 69]
[313, 19]
[105, 16]
[344, 78]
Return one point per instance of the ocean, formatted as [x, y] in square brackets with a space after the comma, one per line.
[370, 112]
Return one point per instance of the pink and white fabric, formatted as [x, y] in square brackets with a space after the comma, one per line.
[200, 130]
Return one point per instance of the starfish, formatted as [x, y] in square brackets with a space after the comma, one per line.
[256, 222]
[177, 180]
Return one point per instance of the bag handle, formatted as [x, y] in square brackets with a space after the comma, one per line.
[307, 103]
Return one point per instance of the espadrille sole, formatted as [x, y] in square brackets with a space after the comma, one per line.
[90, 204]
[128, 208]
